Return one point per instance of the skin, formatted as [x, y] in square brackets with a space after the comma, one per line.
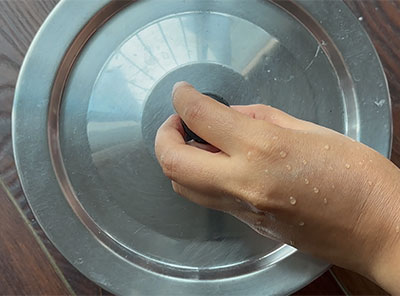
[288, 179]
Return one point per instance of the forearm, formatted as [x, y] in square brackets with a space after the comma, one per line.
[386, 269]
[379, 228]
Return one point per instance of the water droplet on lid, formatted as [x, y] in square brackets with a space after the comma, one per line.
[283, 154]
[258, 222]
[306, 181]
[269, 71]
[292, 200]
[325, 201]
[360, 18]
[304, 161]
[291, 242]
[301, 223]
[327, 147]
[316, 190]
[289, 167]
[370, 183]
[347, 166]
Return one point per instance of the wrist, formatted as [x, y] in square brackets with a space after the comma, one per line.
[384, 267]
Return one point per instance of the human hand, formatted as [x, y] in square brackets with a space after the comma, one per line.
[288, 179]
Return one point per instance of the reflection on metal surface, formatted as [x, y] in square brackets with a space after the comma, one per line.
[218, 53]
[111, 93]
[137, 60]
[325, 43]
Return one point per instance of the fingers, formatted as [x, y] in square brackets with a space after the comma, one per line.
[216, 123]
[274, 116]
[190, 166]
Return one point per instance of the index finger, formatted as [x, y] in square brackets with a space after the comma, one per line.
[214, 122]
[187, 165]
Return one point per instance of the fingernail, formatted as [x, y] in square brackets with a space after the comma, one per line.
[179, 84]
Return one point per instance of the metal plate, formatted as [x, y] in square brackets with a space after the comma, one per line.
[92, 94]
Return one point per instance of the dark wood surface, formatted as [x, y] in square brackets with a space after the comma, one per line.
[18, 245]
[29, 263]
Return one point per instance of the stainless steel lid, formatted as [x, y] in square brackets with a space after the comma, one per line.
[94, 89]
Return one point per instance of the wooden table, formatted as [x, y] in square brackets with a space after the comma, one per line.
[29, 263]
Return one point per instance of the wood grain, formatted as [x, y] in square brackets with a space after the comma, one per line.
[21, 253]
[324, 285]
[19, 21]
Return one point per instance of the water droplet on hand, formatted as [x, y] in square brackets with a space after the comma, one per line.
[397, 229]
[306, 181]
[347, 166]
[304, 161]
[238, 200]
[292, 200]
[266, 171]
[316, 190]
[275, 138]
[301, 223]
[289, 167]
[370, 183]
[258, 222]
[249, 155]
[327, 147]
[325, 201]
[283, 154]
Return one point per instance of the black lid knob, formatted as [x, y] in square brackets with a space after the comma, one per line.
[191, 135]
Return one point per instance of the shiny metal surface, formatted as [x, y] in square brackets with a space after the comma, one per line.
[85, 152]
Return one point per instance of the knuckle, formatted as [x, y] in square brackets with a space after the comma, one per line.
[265, 108]
[262, 107]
